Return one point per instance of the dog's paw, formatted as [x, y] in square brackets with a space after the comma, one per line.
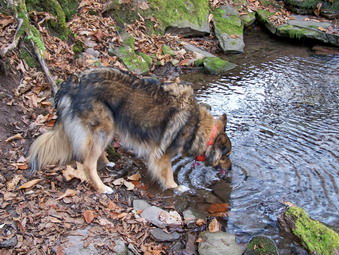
[110, 164]
[106, 190]
[182, 189]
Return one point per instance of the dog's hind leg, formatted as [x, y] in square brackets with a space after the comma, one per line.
[161, 168]
[94, 152]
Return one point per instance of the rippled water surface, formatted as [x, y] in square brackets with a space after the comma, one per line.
[282, 104]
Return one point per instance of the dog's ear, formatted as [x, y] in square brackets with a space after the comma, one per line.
[223, 119]
[223, 143]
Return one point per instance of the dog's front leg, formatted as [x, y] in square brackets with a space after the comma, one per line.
[161, 169]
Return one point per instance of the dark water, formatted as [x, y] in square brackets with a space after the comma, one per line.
[282, 105]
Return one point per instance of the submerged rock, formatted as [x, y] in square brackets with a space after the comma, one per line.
[261, 245]
[218, 243]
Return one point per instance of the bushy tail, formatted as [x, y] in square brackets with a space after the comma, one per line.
[52, 147]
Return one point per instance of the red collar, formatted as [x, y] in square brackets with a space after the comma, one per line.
[209, 143]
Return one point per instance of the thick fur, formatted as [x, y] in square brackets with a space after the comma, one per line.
[155, 120]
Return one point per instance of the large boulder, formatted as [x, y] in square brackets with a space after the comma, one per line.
[187, 18]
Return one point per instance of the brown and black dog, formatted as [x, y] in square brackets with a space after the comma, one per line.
[156, 121]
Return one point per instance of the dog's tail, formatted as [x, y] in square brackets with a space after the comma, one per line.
[52, 147]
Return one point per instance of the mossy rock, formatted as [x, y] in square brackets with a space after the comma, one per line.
[215, 65]
[135, 63]
[189, 17]
[167, 50]
[261, 245]
[314, 236]
[229, 28]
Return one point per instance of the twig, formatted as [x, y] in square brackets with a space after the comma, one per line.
[45, 69]
[16, 39]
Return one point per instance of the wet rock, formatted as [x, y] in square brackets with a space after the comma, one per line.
[222, 189]
[301, 27]
[160, 217]
[199, 53]
[161, 236]
[140, 205]
[190, 217]
[261, 245]
[215, 65]
[229, 28]
[218, 243]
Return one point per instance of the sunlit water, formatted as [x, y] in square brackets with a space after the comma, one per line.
[282, 107]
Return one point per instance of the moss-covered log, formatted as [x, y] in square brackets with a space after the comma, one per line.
[314, 236]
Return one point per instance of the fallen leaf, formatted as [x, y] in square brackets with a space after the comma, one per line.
[118, 181]
[234, 36]
[69, 173]
[13, 183]
[214, 226]
[200, 222]
[89, 216]
[14, 137]
[134, 177]
[68, 193]
[218, 207]
[30, 184]
[322, 29]
[129, 185]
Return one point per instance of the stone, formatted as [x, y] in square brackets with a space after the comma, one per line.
[261, 245]
[160, 217]
[217, 243]
[215, 65]
[140, 205]
[75, 244]
[229, 28]
[161, 236]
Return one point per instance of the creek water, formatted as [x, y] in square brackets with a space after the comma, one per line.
[283, 121]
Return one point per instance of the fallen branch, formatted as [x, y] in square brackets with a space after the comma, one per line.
[16, 39]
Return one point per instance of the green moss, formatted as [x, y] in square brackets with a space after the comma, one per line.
[305, 4]
[316, 237]
[78, 47]
[128, 40]
[28, 58]
[261, 245]
[132, 61]
[167, 50]
[62, 9]
[215, 65]
[123, 13]
[230, 25]
[293, 32]
[168, 12]
[146, 58]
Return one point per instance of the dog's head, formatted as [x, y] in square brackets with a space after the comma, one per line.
[218, 154]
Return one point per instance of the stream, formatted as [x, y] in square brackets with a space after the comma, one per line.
[283, 121]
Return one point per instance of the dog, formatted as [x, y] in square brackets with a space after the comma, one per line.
[155, 120]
